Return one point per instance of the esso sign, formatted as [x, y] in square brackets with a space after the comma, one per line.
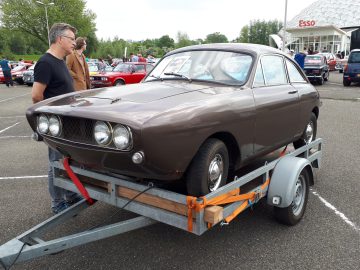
[303, 23]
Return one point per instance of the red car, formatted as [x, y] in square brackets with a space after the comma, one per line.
[124, 73]
[331, 60]
[16, 73]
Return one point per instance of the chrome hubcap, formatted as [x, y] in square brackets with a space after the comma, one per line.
[299, 196]
[309, 132]
[216, 169]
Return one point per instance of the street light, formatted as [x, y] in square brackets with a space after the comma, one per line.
[47, 22]
[284, 29]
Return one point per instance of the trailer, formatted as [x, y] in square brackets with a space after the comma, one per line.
[284, 182]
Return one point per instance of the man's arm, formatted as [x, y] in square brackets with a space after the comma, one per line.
[37, 92]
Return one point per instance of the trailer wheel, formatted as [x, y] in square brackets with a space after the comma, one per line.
[292, 214]
[309, 133]
[209, 169]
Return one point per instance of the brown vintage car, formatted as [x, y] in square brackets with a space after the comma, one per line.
[201, 113]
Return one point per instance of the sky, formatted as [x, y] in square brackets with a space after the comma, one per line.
[149, 19]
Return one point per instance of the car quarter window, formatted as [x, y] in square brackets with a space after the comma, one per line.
[274, 71]
[294, 74]
[259, 76]
[139, 68]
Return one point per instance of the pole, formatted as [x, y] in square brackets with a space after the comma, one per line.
[284, 29]
[47, 23]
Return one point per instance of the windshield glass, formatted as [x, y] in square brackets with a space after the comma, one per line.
[213, 66]
[126, 68]
[17, 68]
[93, 68]
[354, 57]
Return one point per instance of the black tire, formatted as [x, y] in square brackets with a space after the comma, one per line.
[321, 80]
[327, 77]
[29, 84]
[306, 136]
[119, 82]
[346, 82]
[213, 154]
[292, 214]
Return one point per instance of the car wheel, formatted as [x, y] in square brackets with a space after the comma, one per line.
[309, 133]
[327, 77]
[321, 80]
[119, 82]
[292, 214]
[209, 169]
[346, 82]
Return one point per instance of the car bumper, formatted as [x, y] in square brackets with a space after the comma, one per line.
[97, 84]
[353, 77]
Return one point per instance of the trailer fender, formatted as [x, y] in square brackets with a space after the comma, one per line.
[282, 185]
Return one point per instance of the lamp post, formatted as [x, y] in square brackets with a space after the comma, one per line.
[284, 29]
[46, 5]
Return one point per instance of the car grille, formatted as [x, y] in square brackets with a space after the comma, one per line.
[96, 79]
[78, 129]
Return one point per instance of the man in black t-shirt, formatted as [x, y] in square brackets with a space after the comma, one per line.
[52, 78]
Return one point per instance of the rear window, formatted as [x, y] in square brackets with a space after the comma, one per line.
[354, 57]
[313, 60]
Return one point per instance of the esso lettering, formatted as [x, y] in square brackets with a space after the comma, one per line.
[303, 23]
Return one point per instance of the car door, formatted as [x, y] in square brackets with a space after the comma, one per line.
[139, 73]
[277, 104]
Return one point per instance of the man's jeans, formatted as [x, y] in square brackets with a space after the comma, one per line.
[58, 195]
[8, 78]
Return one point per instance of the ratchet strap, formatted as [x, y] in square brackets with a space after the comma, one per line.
[77, 182]
[197, 204]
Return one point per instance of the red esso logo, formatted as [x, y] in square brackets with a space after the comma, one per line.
[303, 23]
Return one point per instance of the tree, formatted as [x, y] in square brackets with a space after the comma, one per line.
[165, 41]
[216, 38]
[183, 40]
[258, 32]
[27, 16]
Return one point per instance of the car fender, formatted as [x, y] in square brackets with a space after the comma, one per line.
[282, 183]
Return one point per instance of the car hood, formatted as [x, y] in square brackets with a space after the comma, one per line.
[133, 104]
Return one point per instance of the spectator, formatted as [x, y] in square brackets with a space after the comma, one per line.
[77, 65]
[52, 78]
[300, 59]
[134, 58]
[141, 58]
[6, 69]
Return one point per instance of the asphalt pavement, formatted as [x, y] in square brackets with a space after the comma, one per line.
[328, 237]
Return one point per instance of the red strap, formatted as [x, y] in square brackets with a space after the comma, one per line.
[77, 182]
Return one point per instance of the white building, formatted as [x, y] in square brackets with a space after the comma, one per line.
[325, 25]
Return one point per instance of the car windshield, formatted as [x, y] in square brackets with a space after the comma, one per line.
[213, 66]
[17, 68]
[93, 68]
[125, 68]
[354, 57]
[313, 59]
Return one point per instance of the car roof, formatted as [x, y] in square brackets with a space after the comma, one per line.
[236, 47]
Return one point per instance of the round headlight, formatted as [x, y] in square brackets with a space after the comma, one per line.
[122, 137]
[43, 124]
[102, 133]
[55, 125]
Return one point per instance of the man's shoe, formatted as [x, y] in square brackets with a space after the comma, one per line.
[60, 207]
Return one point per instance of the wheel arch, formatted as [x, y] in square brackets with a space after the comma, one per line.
[316, 112]
[119, 79]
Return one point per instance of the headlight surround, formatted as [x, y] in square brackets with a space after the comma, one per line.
[102, 133]
[104, 78]
[43, 124]
[55, 125]
[122, 137]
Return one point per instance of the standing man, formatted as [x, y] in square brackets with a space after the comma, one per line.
[77, 65]
[52, 78]
[6, 69]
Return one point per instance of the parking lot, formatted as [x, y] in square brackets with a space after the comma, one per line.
[328, 237]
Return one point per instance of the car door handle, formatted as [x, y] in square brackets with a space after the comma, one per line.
[293, 92]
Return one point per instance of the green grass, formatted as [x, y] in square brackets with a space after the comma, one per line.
[30, 57]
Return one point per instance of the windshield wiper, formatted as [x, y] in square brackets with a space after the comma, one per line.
[178, 75]
[156, 77]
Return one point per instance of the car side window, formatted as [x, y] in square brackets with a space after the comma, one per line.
[274, 70]
[294, 74]
[259, 76]
[139, 68]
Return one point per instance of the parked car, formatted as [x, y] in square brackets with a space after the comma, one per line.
[331, 60]
[16, 73]
[123, 73]
[201, 113]
[352, 69]
[94, 68]
[28, 76]
[316, 68]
